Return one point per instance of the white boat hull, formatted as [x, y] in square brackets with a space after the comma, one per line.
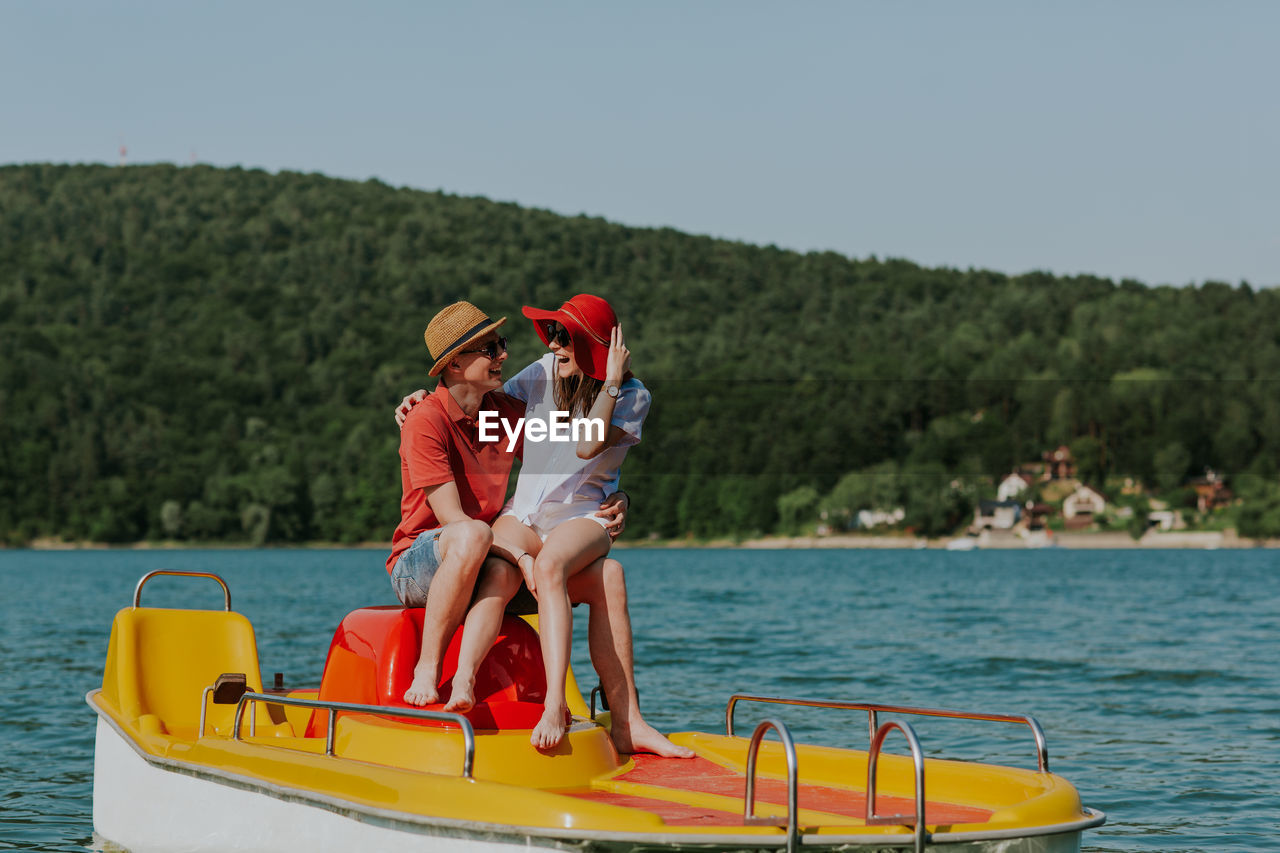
[144, 807]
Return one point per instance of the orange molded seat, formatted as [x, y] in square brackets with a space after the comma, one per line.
[374, 650]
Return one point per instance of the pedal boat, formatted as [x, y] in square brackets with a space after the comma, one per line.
[192, 754]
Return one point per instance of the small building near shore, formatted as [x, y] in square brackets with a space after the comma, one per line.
[1082, 507]
[1165, 519]
[869, 518]
[1012, 486]
[996, 515]
[1211, 492]
[1058, 464]
[1037, 516]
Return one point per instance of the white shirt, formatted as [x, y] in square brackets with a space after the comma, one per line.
[554, 484]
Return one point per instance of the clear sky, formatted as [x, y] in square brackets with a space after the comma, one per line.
[1125, 139]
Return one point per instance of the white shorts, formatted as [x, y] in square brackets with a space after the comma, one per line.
[548, 518]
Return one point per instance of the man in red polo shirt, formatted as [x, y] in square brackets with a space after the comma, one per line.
[453, 486]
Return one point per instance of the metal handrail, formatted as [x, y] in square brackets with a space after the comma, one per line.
[468, 733]
[204, 707]
[137, 592]
[917, 759]
[793, 776]
[872, 709]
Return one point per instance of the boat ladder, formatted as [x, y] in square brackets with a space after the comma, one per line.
[878, 733]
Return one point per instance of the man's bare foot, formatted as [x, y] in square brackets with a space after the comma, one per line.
[550, 729]
[423, 690]
[462, 697]
[642, 737]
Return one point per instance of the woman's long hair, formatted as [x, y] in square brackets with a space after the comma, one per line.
[576, 394]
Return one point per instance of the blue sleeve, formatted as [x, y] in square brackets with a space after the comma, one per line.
[630, 411]
[527, 384]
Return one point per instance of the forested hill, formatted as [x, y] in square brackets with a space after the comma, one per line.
[214, 354]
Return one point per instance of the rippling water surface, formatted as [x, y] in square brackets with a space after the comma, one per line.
[1154, 674]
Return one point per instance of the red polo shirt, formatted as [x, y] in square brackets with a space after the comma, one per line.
[439, 443]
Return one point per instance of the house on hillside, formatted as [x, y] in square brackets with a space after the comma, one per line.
[1211, 492]
[996, 515]
[1058, 464]
[1012, 486]
[1082, 507]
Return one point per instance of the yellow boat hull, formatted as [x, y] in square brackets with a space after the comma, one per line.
[162, 783]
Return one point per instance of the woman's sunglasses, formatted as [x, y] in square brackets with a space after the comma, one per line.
[491, 349]
[558, 334]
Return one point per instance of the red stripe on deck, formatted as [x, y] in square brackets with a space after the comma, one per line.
[672, 814]
[704, 777]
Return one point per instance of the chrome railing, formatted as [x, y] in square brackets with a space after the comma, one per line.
[917, 760]
[334, 708]
[1042, 748]
[137, 592]
[793, 781]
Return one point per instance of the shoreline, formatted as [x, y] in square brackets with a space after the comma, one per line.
[1204, 540]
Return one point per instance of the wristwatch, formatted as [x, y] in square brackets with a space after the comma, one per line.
[612, 391]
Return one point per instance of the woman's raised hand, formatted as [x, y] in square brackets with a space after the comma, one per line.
[619, 356]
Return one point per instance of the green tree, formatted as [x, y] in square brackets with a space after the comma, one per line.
[873, 488]
[796, 509]
[227, 339]
[1090, 456]
[1171, 465]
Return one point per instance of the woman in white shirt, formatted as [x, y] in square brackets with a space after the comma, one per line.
[552, 516]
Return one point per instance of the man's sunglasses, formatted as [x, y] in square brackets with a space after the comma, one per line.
[557, 334]
[491, 349]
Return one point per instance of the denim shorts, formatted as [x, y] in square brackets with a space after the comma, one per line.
[411, 575]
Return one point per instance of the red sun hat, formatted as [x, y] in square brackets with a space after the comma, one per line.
[590, 320]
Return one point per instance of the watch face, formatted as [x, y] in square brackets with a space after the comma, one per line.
[611, 390]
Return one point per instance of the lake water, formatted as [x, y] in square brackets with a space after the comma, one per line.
[1154, 674]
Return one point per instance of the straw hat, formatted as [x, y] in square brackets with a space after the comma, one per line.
[589, 320]
[452, 329]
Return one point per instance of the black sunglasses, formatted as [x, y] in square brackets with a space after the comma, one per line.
[557, 334]
[491, 349]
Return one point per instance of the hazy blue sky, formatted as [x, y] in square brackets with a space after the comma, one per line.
[1127, 139]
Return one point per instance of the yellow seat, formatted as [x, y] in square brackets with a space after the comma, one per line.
[159, 661]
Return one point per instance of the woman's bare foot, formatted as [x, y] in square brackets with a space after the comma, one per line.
[462, 696]
[423, 690]
[550, 729]
[642, 737]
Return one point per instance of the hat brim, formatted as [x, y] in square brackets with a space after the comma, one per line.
[444, 359]
[589, 355]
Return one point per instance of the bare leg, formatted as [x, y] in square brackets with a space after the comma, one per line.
[463, 547]
[499, 581]
[570, 547]
[603, 586]
[510, 537]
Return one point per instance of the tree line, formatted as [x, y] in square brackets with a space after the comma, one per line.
[212, 354]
